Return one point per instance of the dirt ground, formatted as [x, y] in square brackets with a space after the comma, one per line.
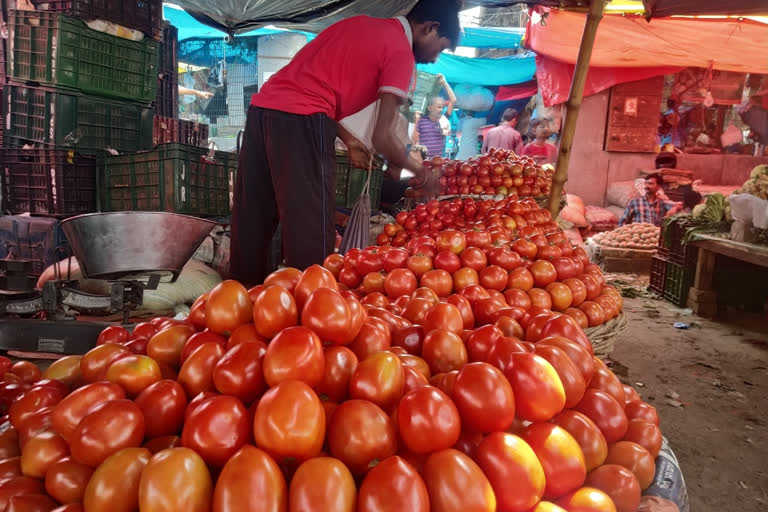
[709, 385]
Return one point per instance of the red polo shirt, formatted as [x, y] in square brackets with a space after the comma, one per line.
[344, 69]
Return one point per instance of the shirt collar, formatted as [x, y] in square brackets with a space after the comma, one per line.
[407, 28]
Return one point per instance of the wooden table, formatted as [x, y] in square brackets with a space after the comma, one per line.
[702, 297]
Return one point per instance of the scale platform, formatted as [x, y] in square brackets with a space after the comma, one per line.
[135, 251]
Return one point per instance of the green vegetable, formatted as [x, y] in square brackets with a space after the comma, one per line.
[714, 208]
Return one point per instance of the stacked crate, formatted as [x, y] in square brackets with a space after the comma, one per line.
[70, 94]
[674, 265]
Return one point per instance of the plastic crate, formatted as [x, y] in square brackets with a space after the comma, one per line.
[54, 117]
[167, 99]
[52, 49]
[171, 178]
[426, 86]
[658, 274]
[677, 282]
[48, 182]
[192, 133]
[165, 130]
[671, 239]
[168, 63]
[37, 239]
[143, 15]
[350, 182]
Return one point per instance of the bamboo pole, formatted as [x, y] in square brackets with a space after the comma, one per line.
[594, 15]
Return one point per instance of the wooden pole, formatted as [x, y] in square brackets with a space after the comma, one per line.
[594, 15]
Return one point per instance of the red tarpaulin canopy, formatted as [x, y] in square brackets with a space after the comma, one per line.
[518, 91]
[629, 41]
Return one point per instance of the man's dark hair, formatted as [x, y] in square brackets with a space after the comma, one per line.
[666, 161]
[445, 12]
[509, 115]
[691, 198]
[658, 178]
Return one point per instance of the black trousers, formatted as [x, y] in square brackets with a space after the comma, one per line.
[286, 174]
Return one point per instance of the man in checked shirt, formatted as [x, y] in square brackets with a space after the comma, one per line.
[650, 208]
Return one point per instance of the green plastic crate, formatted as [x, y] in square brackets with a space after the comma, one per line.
[426, 87]
[54, 117]
[677, 283]
[53, 49]
[350, 182]
[171, 178]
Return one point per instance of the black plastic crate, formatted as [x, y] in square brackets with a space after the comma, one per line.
[165, 130]
[51, 182]
[192, 133]
[169, 49]
[677, 283]
[658, 274]
[671, 239]
[167, 100]
[143, 15]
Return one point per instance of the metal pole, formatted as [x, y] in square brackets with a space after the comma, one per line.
[594, 15]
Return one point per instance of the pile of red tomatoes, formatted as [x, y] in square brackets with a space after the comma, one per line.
[304, 394]
[508, 250]
[500, 172]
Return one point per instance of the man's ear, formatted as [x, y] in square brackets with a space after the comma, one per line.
[430, 26]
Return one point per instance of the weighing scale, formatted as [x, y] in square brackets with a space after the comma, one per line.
[134, 251]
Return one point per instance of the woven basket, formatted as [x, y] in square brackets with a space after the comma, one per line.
[603, 337]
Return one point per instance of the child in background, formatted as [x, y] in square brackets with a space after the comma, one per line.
[540, 150]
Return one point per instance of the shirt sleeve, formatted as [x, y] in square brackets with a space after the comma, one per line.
[397, 73]
[629, 214]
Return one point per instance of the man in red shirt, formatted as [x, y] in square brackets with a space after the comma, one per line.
[505, 136]
[287, 169]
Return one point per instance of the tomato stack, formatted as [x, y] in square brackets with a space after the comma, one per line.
[297, 395]
[491, 248]
[500, 172]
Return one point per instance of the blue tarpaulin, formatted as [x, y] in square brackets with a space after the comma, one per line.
[492, 37]
[190, 28]
[503, 71]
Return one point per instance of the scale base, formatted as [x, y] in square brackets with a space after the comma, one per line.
[65, 337]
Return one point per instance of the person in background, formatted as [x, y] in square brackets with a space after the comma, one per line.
[468, 133]
[540, 150]
[650, 208]
[287, 170]
[433, 128]
[505, 136]
[691, 199]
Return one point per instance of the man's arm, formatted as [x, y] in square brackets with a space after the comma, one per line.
[451, 96]
[386, 143]
[629, 214]
[359, 155]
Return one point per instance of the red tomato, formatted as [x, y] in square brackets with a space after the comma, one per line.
[456, 483]
[243, 334]
[287, 277]
[428, 420]
[514, 471]
[564, 326]
[144, 330]
[30, 503]
[380, 379]
[500, 354]
[322, 483]
[444, 351]
[66, 370]
[66, 479]
[605, 380]
[480, 342]
[134, 373]
[606, 412]
[163, 405]
[595, 313]
[41, 452]
[639, 410]
[94, 364]
[630, 394]
[313, 278]
[107, 429]
[439, 281]
[451, 240]
[66, 416]
[294, 354]
[113, 334]
[334, 263]
[560, 456]
[448, 261]
[360, 433]
[494, 278]
[508, 325]
[327, 313]
[159, 444]
[250, 481]
[175, 479]
[217, 429]
[484, 398]
[340, 365]
[32, 401]
[646, 435]
[410, 338]
[633, 457]
[392, 485]
[570, 375]
[349, 277]
[619, 483]
[114, 485]
[371, 339]
[273, 311]
[228, 307]
[446, 317]
[473, 258]
[587, 434]
[539, 393]
[18, 486]
[400, 282]
[239, 372]
[465, 277]
[578, 355]
[396, 258]
[10, 467]
[465, 308]
[201, 338]
[290, 421]
[166, 346]
[587, 499]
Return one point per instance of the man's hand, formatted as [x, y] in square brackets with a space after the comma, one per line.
[426, 181]
[359, 155]
[204, 95]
